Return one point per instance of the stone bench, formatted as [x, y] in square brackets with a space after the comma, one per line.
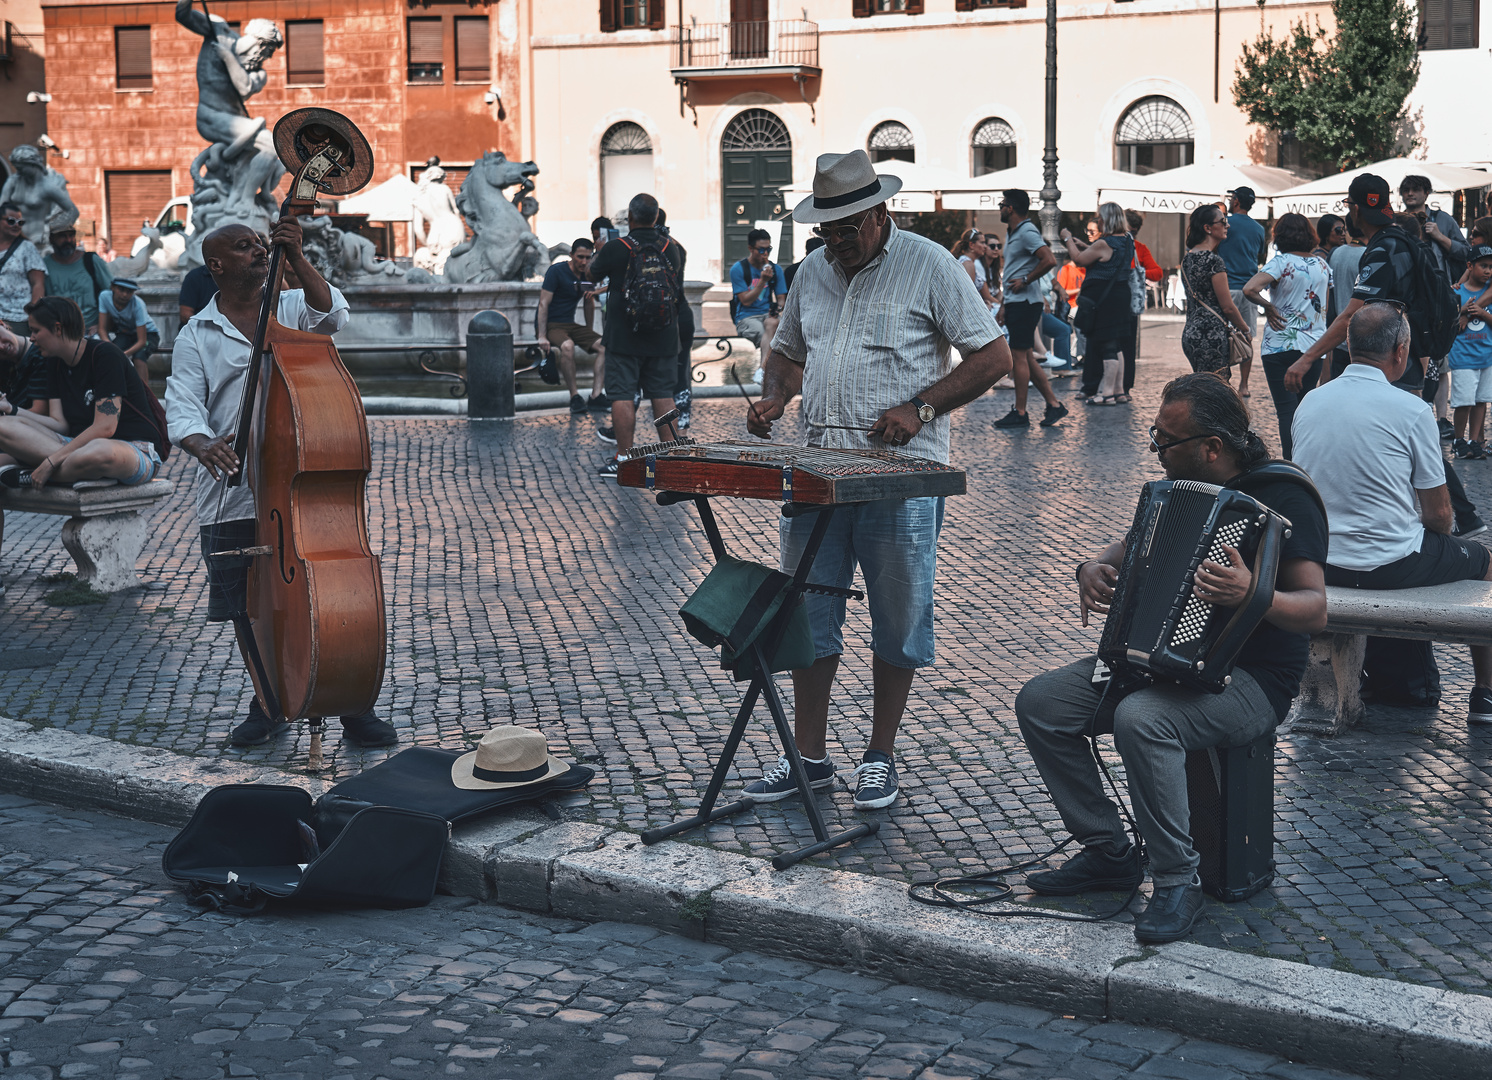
[106, 526]
[1329, 703]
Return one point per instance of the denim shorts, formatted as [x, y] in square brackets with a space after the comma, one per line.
[895, 544]
[148, 462]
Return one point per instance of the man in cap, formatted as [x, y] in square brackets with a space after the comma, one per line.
[122, 319]
[1242, 255]
[76, 274]
[865, 337]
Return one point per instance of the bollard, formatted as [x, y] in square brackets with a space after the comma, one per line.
[489, 366]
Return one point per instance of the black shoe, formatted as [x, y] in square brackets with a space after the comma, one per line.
[875, 781]
[1014, 419]
[778, 783]
[1472, 526]
[258, 728]
[368, 730]
[577, 405]
[1459, 447]
[1475, 451]
[1090, 870]
[1170, 915]
[606, 434]
[598, 402]
[1480, 711]
[1447, 430]
[1053, 414]
[610, 470]
[10, 476]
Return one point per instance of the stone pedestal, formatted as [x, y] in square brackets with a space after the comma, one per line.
[105, 548]
[1329, 701]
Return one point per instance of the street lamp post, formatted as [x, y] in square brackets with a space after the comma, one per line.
[1051, 217]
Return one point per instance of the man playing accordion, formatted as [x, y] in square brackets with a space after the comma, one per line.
[1201, 433]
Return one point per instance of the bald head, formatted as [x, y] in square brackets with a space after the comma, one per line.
[237, 259]
[1377, 335]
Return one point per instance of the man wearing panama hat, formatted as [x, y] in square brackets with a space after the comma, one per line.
[866, 337]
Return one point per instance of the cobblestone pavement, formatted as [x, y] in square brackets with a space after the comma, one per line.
[522, 588]
[106, 971]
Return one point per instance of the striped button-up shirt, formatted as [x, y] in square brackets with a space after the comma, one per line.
[877, 340]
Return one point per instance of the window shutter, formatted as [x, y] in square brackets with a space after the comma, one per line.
[657, 15]
[133, 198]
[608, 16]
[860, 9]
[963, 5]
[1463, 24]
[132, 57]
[914, 7]
[304, 60]
[426, 50]
[473, 58]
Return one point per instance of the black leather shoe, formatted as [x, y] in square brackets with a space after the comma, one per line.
[368, 730]
[1170, 915]
[258, 729]
[1090, 870]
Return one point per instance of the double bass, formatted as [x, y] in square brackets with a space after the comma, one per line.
[313, 634]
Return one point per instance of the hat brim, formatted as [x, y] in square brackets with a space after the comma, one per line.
[806, 213]
[1372, 215]
[462, 777]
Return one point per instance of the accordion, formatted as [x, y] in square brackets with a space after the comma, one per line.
[1157, 625]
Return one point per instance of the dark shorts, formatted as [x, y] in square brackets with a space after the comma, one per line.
[1021, 320]
[227, 587]
[1440, 559]
[655, 376]
[583, 336]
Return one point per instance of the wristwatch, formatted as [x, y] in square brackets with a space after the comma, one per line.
[925, 412]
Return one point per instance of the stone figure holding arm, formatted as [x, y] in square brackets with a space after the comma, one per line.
[230, 70]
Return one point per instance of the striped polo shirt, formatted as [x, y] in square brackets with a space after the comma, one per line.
[878, 340]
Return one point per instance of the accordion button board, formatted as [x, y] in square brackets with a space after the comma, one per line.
[786, 474]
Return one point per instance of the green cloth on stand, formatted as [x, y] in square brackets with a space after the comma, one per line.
[734, 605]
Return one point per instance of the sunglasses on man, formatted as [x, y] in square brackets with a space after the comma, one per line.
[763, 250]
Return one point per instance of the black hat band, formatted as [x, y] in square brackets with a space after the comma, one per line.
[834, 202]
[496, 776]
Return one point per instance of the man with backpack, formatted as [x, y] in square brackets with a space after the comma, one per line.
[757, 284]
[646, 271]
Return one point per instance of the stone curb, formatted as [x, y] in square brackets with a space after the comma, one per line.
[1318, 1016]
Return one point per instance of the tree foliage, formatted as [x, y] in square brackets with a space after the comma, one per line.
[1343, 94]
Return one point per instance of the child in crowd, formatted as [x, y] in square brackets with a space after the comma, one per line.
[1471, 358]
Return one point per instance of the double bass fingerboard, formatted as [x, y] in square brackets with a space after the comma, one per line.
[788, 474]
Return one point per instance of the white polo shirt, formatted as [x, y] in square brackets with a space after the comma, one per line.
[1369, 446]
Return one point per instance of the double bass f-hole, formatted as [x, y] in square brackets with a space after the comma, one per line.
[286, 575]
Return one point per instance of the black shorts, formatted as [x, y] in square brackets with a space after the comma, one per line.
[1021, 320]
[1440, 559]
[227, 586]
[653, 375]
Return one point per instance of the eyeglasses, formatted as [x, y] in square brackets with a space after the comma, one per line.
[15, 221]
[833, 234]
[763, 250]
[1397, 305]
[1339, 228]
[996, 245]
[1156, 446]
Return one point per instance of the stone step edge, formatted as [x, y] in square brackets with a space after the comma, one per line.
[1318, 1016]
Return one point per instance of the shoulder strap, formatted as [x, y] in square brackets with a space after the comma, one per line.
[10, 251]
[1187, 288]
[1279, 469]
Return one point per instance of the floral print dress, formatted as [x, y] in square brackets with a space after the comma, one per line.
[1205, 338]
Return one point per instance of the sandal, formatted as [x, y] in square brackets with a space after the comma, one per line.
[1103, 399]
[1121, 399]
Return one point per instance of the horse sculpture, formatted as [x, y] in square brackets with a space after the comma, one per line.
[503, 248]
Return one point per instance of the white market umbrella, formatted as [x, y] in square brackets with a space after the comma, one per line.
[1080, 186]
[1180, 191]
[920, 186]
[1325, 196]
[392, 200]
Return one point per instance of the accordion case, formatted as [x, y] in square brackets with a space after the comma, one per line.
[1156, 623]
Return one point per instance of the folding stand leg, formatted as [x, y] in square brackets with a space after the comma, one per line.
[707, 812]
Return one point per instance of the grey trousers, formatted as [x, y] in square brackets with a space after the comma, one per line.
[1153, 730]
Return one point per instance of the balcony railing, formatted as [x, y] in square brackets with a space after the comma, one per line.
[747, 45]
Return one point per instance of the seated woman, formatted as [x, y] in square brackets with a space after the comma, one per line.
[98, 424]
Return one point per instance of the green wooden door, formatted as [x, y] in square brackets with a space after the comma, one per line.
[756, 163]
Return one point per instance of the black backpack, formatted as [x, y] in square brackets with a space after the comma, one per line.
[735, 305]
[650, 292]
[1434, 313]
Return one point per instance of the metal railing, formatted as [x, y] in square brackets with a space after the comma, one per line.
[754, 43]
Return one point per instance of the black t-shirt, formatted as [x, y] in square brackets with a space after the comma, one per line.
[103, 371]
[1387, 273]
[197, 290]
[560, 280]
[612, 262]
[1275, 657]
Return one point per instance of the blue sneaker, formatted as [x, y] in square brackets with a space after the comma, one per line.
[777, 783]
[875, 781]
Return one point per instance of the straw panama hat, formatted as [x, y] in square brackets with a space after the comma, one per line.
[507, 757]
[844, 185]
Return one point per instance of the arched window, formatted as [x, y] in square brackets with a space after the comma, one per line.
[756, 129]
[992, 148]
[891, 141]
[1154, 134]
[626, 167]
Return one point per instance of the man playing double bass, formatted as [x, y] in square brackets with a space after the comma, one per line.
[203, 394]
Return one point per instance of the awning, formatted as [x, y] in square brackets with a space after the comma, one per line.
[1180, 191]
[1325, 196]
[392, 200]
[920, 186]
[1080, 186]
